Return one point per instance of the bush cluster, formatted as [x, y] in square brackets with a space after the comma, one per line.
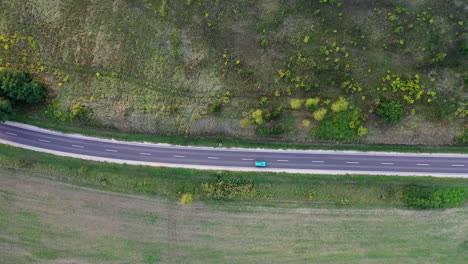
[269, 131]
[423, 197]
[339, 126]
[228, 189]
[16, 88]
[389, 111]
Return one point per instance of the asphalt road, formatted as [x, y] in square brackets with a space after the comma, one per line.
[449, 165]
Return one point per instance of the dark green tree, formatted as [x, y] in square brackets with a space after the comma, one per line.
[20, 87]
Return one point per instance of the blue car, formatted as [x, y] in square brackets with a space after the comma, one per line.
[260, 164]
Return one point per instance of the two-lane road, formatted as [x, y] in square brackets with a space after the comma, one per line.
[447, 165]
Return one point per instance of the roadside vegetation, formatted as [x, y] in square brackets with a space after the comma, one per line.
[372, 72]
[195, 185]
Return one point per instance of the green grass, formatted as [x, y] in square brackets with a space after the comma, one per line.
[105, 132]
[359, 190]
[46, 221]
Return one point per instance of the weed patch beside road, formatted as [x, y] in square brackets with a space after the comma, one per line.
[349, 190]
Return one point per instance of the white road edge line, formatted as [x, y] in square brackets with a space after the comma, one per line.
[352, 162]
[177, 156]
[146, 154]
[422, 164]
[213, 158]
[387, 163]
[111, 150]
[458, 165]
[282, 160]
[11, 134]
[318, 161]
[43, 140]
[77, 146]
[247, 159]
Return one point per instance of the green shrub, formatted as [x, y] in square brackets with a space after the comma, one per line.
[319, 114]
[228, 189]
[296, 103]
[186, 199]
[463, 138]
[257, 115]
[54, 112]
[269, 131]
[264, 43]
[439, 57]
[339, 126]
[312, 103]
[423, 197]
[216, 107]
[275, 113]
[79, 112]
[389, 111]
[340, 105]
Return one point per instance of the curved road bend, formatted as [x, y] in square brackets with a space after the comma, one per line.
[444, 165]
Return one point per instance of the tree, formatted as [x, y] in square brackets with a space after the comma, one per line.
[18, 86]
[389, 111]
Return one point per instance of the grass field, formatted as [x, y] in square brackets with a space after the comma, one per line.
[46, 221]
[242, 69]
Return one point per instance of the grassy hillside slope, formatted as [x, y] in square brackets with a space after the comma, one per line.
[246, 68]
[45, 221]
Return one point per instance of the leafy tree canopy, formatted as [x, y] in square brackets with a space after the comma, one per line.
[17, 86]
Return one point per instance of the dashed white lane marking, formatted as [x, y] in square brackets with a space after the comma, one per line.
[247, 159]
[177, 156]
[43, 140]
[11, 134]
[387, 163]
[146, 154]
[111, 150]
[352, 162]
[422, 164]
[282, 160]
[77, 146]
[213, 158]
[458, 165]
[318, 161]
